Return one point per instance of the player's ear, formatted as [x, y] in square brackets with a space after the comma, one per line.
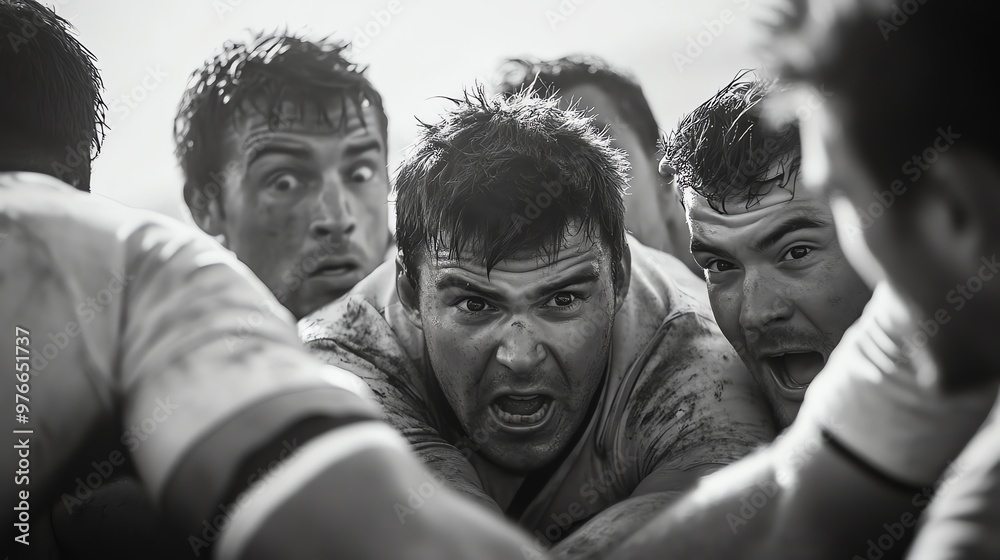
[955, 209]
[624, 277]
[407, 293]
[206, 208]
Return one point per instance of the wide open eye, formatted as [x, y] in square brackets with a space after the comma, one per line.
[285, 182]
[362, 174]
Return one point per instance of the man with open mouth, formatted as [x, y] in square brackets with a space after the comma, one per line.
[779, 284]
[282, 141]
[894, 452]
[123, 320]
[536, 356]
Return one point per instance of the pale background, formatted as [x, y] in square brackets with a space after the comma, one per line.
[146, 50]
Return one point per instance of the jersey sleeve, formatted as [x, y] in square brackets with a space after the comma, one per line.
[694, 405]
[961, 520]
[210, 369]
[353, 335]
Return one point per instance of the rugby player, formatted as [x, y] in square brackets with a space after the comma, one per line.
[780, 287]
[283, 146]
[547, 364]
[120, 319]
[653, 213]
[912, 382]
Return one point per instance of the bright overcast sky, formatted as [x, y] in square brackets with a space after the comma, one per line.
[147, 49]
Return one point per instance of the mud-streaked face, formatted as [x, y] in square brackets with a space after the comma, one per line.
[520, 354]
[781, 289]
[305, 208]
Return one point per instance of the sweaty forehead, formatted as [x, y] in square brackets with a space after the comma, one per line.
[337, 117]
[576, 249]
[778, 204]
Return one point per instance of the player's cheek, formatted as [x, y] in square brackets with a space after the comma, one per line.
[727, 302]
[575, 351]
[466, 356]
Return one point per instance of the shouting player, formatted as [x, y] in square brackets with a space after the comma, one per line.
[536, 356]
[120, 319]
[779, 284]
[906, 148]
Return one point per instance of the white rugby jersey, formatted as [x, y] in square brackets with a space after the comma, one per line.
[145, 334]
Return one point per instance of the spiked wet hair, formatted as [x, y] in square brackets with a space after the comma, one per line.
[724, 152]
[264, 75]
[501, 175]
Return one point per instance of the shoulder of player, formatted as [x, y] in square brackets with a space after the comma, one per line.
[102, 243]
[688, 349]
[362, 333]
[661, 284]
[358, 314]
[686, 387]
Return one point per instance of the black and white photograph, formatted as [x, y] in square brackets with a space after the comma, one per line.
[522, 280]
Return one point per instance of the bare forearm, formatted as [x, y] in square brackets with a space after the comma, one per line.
[798, 499]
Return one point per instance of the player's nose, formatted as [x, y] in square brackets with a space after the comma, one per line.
[520, 350]
[334, 217]
[763, 304]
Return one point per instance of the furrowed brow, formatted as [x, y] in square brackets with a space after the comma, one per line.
[458, 283]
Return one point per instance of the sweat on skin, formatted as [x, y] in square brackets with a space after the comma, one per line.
[672, 399]
[305, 207]
[779, 284]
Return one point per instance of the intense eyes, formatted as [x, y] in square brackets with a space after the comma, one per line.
[717, 265]
[285, 182]
[362, 174]
[474, 305]
[796, 253]
[564, 299]
[561, 301]
[289, 182]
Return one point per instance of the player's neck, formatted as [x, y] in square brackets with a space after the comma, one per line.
[500, 484]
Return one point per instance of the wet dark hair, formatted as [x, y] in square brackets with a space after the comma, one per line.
[723, 151]
[502, 175]
[264, 75]
[547, 77]
[52, 117]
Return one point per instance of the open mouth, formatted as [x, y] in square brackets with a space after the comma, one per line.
[521, 412]
[793, 371]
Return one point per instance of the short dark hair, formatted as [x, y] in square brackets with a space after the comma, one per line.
[501, 175]
[51, 111]
[548, 77]
[896, 72]
[262, 75]
[723, 151]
